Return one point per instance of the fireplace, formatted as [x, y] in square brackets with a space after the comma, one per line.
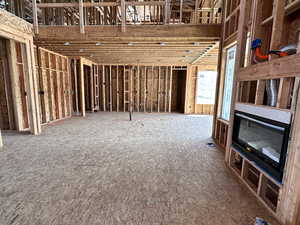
[262, 140]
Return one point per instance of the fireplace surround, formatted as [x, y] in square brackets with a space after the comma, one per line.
[262, 134]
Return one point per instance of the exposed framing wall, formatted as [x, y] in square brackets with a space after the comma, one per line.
[191, 107]
[139, 88]
[136, 88]
[54, 85]
[17, 30]
[249, 84]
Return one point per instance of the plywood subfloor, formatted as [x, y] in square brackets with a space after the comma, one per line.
[105, 170]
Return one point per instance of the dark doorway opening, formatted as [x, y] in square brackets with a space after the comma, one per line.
[87, 87]
[179, 89]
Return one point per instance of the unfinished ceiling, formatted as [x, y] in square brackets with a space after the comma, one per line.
[153, 47]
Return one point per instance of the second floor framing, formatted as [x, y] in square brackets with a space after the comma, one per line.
[120, 13]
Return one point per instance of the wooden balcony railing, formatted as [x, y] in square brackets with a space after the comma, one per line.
[121, 13]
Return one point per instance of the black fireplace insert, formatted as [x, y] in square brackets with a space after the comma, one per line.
[262, 141]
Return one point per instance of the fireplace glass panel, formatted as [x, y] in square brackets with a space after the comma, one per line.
[264, 138]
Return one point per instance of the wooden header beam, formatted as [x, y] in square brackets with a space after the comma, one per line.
[99, 4]
[158, 33]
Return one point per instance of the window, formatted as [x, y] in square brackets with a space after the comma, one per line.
[228, 83]
[205, 87]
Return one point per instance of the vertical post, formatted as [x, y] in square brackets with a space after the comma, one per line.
[289, 205]
[138, 88]
[166, 87]
[58, 74]
[16, 95]
[240, 54]
[170, 90]
[167, 11]
[81, 17]
[123, 15]
[92, 92]
[131, 90]
[196, 12]
[158, 91]
[81, 85]
[180, 13]
[145, 89]
[76, 86]
[69, 87]
[118, 94]
[35, 17]
[34, 110]
[1, 141]
[124, 88]
[110, 90]
[278, 22]
[152, 89]
[103, 88]
[219, 69]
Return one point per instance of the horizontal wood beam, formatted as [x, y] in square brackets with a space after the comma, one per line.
[158, 32]
[98, 4]
[277, 68]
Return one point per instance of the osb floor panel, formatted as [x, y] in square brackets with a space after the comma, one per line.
[105, 170]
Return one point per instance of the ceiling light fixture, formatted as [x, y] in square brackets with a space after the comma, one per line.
[67, 43]
[196, 44]
[162, 43]
[98, 43]
[130, 44]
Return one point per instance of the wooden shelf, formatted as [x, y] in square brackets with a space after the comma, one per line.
[261, 184]
[220, 135]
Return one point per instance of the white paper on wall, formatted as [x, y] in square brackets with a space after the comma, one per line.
[228, 84]
[205, 87]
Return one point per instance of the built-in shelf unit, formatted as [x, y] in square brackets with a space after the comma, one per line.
[265, 188]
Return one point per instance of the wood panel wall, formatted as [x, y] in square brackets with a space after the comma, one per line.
[54, 85]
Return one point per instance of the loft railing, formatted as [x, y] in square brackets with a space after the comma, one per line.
[22, 9]
[121, 13]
